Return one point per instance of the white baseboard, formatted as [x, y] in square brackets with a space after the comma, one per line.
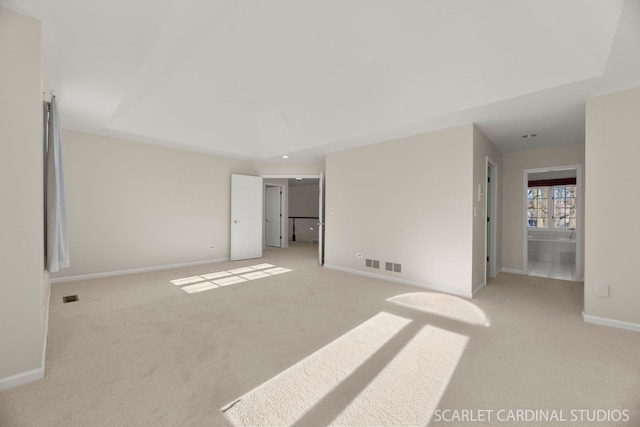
[46, 326]
[603, 321]
[399, 280]
[512, 271]
[21, 379]
[35, 374]
[132, 271]
[478, 289]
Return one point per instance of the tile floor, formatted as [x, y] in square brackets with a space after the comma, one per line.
[553, 270]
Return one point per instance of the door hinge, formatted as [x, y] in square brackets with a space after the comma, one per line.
[489, 179]
[488, 218]
[487, 259]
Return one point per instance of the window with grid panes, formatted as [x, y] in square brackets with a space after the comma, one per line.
[538, 207]
[552, 207]
[564, 207]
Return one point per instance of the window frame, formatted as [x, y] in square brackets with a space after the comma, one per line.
[550, 219]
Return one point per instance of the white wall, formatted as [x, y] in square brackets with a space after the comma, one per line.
[290, 168]
[611, 240]
[406, 201]
[24, 286]
[512, 194]
[133, 205]
[483, 148]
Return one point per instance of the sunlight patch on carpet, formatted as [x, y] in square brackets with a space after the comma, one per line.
[408, 390]
[262, 266]
[199, 287]
[217, 275]
[241, 270]
[255, 275]
[443, 305]
[205, 282]
[388, 370]
[231, 280]
[187, 280]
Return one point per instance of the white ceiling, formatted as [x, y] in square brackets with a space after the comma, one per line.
[260, 79]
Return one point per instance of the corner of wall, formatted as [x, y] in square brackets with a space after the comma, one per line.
[612, 132]
[395, 220]
[25, 290]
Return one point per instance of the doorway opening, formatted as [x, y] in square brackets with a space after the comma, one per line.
[552, 223]
[274, 213]
[302, 210]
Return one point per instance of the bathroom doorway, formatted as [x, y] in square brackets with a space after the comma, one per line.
[552, 223]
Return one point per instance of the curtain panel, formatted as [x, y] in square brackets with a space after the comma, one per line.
[56, 241]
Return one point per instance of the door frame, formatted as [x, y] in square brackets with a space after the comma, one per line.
[293, 176]
[284, 241]
[321, 219]
[579, 220]
[491, 209]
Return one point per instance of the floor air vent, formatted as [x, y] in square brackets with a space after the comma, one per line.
[70, 298]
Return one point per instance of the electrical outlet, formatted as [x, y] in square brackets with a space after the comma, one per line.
[213, 246]
[360, 255]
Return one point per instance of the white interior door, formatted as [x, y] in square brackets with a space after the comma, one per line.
[246, 217]
[273, 216]
[321, 222]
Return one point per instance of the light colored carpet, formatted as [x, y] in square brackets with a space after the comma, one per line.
[323, 346]
[444, 305]
[404, 366]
